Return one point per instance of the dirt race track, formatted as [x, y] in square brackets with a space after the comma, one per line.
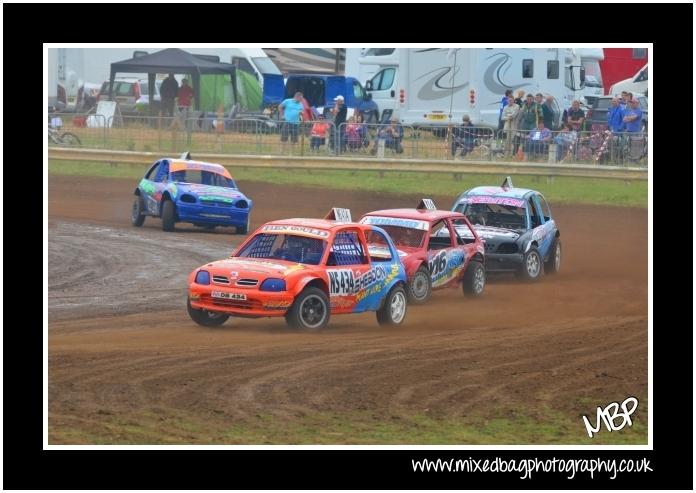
[121, 343]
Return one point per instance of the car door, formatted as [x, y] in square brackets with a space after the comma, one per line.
[445, 257]
[465, 237]
[156, 182]
[543, 225]
[350, 274]
[148, 189]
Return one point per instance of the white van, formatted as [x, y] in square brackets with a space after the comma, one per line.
[636, 84]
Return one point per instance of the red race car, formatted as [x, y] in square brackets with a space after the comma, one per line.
[434, 254]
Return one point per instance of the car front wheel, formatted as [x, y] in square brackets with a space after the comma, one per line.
[310, 310]
[531, 265]
[168, 218]
[205, 317]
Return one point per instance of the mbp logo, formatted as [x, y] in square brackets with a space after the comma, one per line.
[610, 414]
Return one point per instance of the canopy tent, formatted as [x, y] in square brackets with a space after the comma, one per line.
[175, 61]
[216, 91]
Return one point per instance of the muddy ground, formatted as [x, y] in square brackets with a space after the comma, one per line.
[120, 341]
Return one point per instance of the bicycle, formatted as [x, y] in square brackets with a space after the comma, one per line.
[66, 138]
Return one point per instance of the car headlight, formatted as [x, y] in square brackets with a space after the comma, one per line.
[203, 277]
[272, 284]
[188, 198]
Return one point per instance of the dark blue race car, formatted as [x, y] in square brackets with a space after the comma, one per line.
[516, 226]
[182, 190]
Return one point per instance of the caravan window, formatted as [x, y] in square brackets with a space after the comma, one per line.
[527, 68]
[552, 67]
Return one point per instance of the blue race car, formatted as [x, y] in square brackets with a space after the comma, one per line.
[182, 190]
[516, 226]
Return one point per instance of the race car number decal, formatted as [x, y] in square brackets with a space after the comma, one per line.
[446, 265]
[342, 282]
[228, 296]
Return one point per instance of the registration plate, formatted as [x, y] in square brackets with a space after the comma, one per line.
[437, 116]
[228, 296]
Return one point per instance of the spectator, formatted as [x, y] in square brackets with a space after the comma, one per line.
[547, 113]
[369, 109]
[503, 104]
[352, 134]
[168, 93]
[391, 134]
[518, 100]
[318, 133]
[463, 137]
[633, 117]
[185, 95]
[615, 116]
[538, 141]
[510, 114]
[289, 111]
[565, 141]
[339, 113]
[530, 114]
[576, 117]
[362, 130]
[623, 100]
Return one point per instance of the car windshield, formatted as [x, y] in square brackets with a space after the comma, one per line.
[405, 237]
[202, 178]
[495, 215]
[293, 248]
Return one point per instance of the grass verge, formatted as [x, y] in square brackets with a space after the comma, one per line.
[560, 190]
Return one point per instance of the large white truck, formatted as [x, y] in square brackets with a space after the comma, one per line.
[436, 86]
[589, 58]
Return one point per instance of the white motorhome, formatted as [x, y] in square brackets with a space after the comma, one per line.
[638, 84]
[433, 86]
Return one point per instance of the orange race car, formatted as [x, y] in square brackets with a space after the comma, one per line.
[305, 270]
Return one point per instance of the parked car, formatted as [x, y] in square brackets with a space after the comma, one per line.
[516, 226]
[127, 91]
[305, 270]
[142, 105]
[433, 251]
[182, 190]
[598, 113]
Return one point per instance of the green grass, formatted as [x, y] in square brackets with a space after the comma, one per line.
[365, 428]
[560, 190]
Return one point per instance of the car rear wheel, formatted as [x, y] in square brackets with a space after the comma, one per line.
[204, 317]
[137, 216]
[311, 310]
[168, 218]
[393, 310]
[420, 286]
[553, 264]
[474, 279]
[531, 265]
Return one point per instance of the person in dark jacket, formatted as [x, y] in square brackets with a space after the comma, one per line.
[168, 93]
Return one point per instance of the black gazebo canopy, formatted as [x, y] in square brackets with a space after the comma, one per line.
[171, 60]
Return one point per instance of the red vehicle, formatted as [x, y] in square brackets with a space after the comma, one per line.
[620, 64]
[305, 270]
[434, 254]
